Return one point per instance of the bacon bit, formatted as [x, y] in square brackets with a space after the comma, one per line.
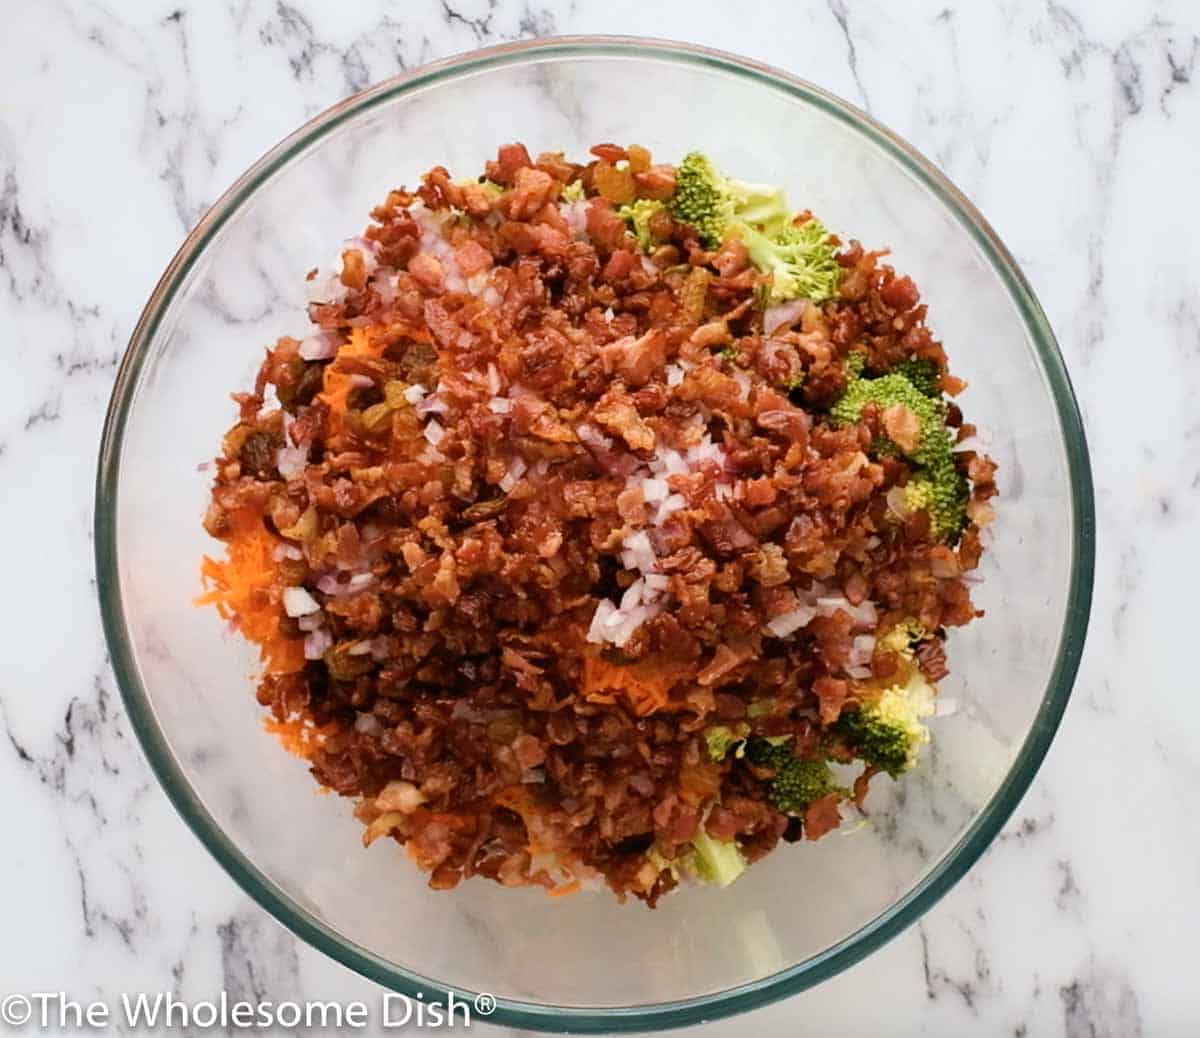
[616, 413]
[427, 270]
[822, 816]
[354, 270]
[831, 693]
[862, 784]
[727, 657]
[902, 427]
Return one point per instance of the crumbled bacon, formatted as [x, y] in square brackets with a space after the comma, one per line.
[561, 506]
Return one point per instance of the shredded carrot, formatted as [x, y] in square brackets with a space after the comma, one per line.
[245, 589]
[646, 685]
[336, 384]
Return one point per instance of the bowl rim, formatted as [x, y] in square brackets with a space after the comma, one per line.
[575, 1019]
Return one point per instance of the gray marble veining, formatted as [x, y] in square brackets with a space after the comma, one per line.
[1074, 127]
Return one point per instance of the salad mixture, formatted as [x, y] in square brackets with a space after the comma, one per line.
[604, 528]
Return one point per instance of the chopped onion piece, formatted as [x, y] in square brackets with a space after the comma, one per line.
[298, 602]
[786, 623]
[655, 490]
[784, 314]
[316, 644]
[434, 433]
[321, 346]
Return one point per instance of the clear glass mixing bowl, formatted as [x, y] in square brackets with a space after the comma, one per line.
[585, 963]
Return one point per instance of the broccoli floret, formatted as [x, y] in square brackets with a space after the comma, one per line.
[903, 638]
[637, 215]
[933, 438]
[713, 203]
[796, 783]
[799, 258]
[721, 738]
[923, 373]
[574, 192]
[889, 732]
[937, 486]
[714, 861]
[941, 490]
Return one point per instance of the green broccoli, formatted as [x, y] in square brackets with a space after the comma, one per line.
[937, 486]
[891, 390]
[796, 782]
[923, 373]
[714, 204]
[940, 489]
[574, 192]
[713, 861]
[637, 215]
[720, 739]
[800, 259]
[889, 732]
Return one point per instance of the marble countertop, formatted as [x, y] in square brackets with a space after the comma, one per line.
[1073, 126]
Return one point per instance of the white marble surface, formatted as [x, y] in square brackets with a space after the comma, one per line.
[1073, 125]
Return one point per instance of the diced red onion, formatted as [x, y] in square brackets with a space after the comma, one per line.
[516, 469]
[434, 432]
[286, 551]
[432, 405]
[361, 381]
[367, 724]
[310, 622]
[604, 610]
[329, 584]
[321, 346]
[317, 643]
[632, 596]
[862, 648]
[575, 213]
[655, 490]
[640, 551]
[782, 315]
[493, 379]
[415, 393]
[500, 405]
[669, 507]
[362, 647]
[291, 461]
[298, 602]
[791, 621]
[897, 501]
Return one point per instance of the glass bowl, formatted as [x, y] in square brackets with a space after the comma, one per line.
[585, 964]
